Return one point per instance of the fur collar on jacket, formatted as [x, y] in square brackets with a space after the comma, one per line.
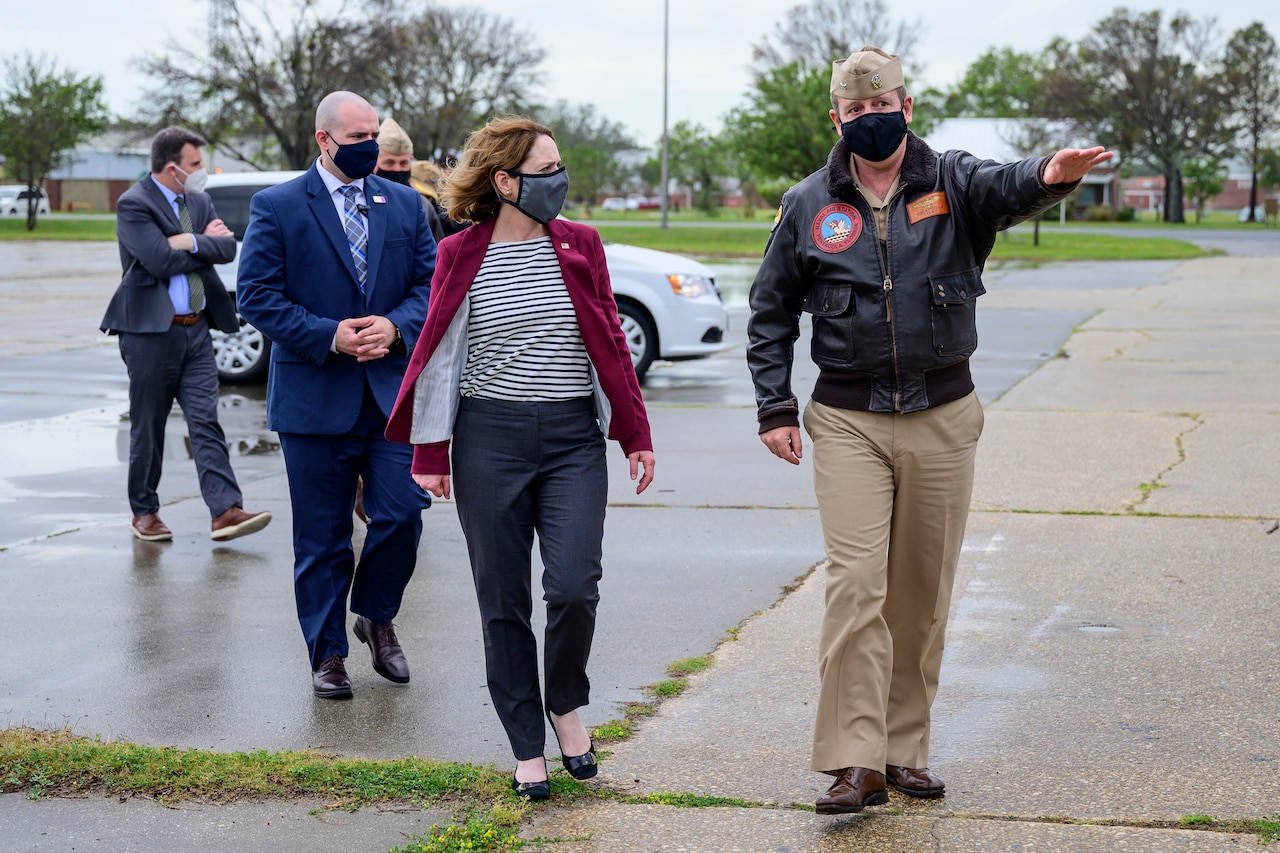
[919, 168]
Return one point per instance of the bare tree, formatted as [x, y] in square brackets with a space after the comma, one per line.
[1252, 69]
[260, 76]
[816, 33]
[1027, 137]
[444, 71]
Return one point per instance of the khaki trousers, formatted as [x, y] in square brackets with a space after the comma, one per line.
[893, 493]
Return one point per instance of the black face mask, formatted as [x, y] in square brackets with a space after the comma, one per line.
[394, 175]
[541, 195]
[356, 160]
[874, 136]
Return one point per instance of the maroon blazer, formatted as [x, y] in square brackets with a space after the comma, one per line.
[582, 264]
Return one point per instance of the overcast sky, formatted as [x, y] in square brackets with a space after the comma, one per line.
[609, 52]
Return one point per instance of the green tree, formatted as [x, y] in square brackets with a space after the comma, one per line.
[589, 146]
[783, 131]
[1252, 73]
[1002, 83]
[1143, 85]
[697, 159]
[44, 113]
[1204, 179]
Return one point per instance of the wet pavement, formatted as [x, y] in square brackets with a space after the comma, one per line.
[1102, 663]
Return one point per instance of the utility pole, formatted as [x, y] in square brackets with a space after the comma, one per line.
[666, 29]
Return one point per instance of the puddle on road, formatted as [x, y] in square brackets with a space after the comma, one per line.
[99, 437]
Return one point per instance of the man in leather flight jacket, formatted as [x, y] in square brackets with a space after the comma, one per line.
[884, 248]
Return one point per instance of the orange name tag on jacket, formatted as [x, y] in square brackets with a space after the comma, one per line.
[934, 204]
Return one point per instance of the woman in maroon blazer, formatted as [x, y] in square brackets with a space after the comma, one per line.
[523, 365]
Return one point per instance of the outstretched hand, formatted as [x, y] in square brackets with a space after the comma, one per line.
[1071, 164]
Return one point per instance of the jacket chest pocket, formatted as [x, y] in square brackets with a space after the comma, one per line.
[832, 307]
[953, 307]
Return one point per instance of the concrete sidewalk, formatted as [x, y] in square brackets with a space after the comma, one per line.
[1113, 654]
[1113, 661]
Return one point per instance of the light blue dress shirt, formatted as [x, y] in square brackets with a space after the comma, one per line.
[179, 289]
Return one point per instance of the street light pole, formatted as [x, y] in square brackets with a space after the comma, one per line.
[666, 29]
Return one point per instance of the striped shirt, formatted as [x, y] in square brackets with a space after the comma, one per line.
[523, 340]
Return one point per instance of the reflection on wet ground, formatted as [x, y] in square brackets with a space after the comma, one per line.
[64, 429]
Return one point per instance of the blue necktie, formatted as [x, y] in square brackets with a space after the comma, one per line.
[357, 235]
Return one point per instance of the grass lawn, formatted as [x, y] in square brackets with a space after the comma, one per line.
[1066, 245]
[744, 241]
[1058, 245]
[58, 229]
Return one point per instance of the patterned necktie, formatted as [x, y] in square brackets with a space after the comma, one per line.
[195, 284]
[357, 236]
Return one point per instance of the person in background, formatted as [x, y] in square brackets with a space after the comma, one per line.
[884, 248]
[169, 297]
[523, 364]
[428, 180]
[395, 163]
[335, 269]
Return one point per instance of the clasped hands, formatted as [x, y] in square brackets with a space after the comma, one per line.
[366, 338]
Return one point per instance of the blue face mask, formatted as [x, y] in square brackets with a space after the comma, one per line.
[356, 160]
[874, 136]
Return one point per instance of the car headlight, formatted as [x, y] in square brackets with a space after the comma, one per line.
[691, 286]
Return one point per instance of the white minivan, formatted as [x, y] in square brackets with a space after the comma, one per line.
[13, 200]
[669, 305]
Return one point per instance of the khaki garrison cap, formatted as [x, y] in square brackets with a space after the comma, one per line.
[392, 139]
[865, 74]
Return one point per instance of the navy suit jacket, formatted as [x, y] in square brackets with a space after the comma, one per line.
[297, 280]
[144, 222]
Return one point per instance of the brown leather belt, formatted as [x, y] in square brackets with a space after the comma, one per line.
[187, 319]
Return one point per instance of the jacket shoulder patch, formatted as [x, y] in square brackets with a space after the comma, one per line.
[836, 227]
[934, 204]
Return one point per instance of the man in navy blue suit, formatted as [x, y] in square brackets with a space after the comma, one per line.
[335, 269]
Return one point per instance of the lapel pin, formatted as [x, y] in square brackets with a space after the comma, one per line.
[564, 245]
[379, 199]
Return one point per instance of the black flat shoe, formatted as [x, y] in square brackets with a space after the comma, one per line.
[531, 790]
[579, 766]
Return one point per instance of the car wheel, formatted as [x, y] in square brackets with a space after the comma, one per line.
[243, 357]
[642, 337]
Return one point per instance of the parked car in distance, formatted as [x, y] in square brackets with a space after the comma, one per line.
[13, 200]
[614, 203]
[669, 305]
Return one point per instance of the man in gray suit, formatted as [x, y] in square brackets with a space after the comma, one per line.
[168, 299]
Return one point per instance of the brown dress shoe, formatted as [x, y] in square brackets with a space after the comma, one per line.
[149, 528]
[854, 789]
[915, 783]
[388, 657]
[330, 681]
[236, 522]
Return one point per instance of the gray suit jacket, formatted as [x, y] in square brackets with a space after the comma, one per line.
[144, 222]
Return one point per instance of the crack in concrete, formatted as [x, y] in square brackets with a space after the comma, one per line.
[1198, 421]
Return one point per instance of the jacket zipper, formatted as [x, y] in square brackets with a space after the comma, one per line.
[883, 258]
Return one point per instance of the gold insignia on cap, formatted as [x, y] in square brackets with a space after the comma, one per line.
[865, 74]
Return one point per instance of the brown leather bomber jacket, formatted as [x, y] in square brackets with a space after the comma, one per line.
[893, 321]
